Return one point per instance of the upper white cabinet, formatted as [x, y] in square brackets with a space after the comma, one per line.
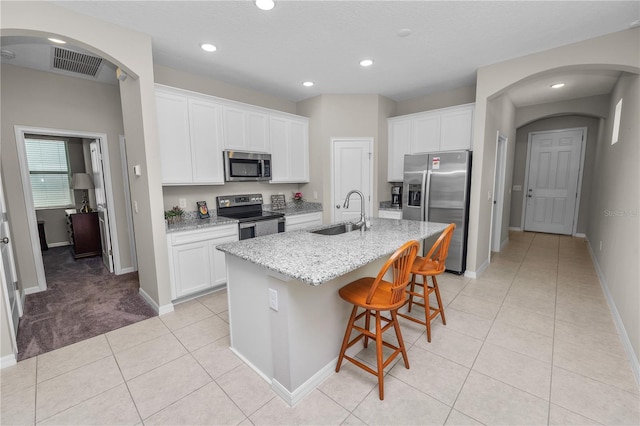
[246, 130]
[190, 136]
[289, 138]
[446, 129]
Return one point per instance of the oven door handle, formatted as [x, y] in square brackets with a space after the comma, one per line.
[247, 225]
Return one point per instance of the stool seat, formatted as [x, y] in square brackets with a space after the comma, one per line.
[373, 296]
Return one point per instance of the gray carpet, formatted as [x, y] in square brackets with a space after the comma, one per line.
[83, 300]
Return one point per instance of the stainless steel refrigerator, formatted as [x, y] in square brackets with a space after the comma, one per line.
[436, 189]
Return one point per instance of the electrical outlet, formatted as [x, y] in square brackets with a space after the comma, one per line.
[517, 187]
[315, 195]
[182, 202]
[273, 299]
[135, 206]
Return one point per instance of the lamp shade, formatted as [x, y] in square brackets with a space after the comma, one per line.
[82, 181]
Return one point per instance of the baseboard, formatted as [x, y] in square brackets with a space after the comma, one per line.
[126, 270]
[580, 235]
[515, 228]
[60, 244]
[8, 361]
[503, 244]
[160, 310]
[250, 365]
[633, 357]
[475, 274]
[32, 290]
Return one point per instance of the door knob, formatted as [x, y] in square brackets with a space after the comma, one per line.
[529, 195]
[337, 206]
[5, 240]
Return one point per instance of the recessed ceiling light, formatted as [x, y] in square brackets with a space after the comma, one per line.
[208, 47]
[57, 40]
[307, 83]
[557, 85]
[403, 32]
[635, 24]
[265, 4]
[366, 62]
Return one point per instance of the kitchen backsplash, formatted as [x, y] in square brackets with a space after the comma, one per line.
[208, 193]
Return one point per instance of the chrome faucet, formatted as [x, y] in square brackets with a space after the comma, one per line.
[363, 219]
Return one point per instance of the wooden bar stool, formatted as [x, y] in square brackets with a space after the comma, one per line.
[429, 266]
[376, 295]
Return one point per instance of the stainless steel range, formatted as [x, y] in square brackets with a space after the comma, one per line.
[247, 209]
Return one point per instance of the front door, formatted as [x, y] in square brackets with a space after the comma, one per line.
[352, 159]
[101, 202]
[552, 190]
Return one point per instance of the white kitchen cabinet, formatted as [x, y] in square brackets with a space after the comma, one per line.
[302, 221]
[195, 265]
[289, 149]
[389, 214]
[447, 129]
[399, 144]
[190, 136]
[246, 130]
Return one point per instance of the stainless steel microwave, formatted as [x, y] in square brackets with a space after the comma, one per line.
[246, 166]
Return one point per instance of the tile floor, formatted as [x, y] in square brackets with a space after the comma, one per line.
[531, 342]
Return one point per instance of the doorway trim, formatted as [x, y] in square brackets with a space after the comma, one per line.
[127, 205]
[20, 132]
[497, 209]
[335, 140]
[583, 145]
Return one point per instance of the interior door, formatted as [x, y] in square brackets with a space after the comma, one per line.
[554, 166]
[351, 170]
[7, 272]
[101, 202]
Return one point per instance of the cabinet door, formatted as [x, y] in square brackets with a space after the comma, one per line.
[192, 268]
[456, 129]
[206, 142]
[302, 221]
[173, 136]
[234, 129]
[299, 151]
[257, 132]
[426, 134]
[399, 145]
[217, 259]
[280, 153]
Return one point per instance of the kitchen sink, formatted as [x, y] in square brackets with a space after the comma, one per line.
[338, 229]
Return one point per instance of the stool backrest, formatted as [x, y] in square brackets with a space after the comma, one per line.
[440, 249]
[400, 262]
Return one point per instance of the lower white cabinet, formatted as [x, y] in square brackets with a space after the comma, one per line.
[388, 214]
[302, 221]
[195, 264]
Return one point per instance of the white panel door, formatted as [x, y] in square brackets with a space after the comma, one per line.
[206, 142]
[352, 159]
[192, 267]
[97, 166]
[554, 166]
[8, 274]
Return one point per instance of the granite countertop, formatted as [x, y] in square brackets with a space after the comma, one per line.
[294, 208]
[315, 259]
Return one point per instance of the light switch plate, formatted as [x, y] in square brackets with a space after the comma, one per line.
[517, 187]
[273, 299]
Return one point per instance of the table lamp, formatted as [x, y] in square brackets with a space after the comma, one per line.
[84, 182]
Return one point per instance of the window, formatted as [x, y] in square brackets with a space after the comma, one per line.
[616, 122]
[49, 172]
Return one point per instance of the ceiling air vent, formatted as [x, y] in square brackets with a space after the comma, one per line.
[68, 60]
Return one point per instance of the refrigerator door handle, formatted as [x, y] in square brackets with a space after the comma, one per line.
[426, 186]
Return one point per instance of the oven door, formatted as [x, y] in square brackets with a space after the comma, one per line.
[260, 228]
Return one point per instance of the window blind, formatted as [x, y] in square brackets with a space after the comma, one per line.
[49, 171]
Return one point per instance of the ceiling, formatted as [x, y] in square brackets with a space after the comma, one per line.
[324, 41]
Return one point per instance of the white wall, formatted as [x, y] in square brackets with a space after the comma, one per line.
[615, 211]
[620, 51]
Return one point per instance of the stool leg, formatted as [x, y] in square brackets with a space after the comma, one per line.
[440, 306]
[379, 355]
[411, 289]
[347, 334]
[367, 323]
[396, 326]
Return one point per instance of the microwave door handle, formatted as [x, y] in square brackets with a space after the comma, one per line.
[261, 168]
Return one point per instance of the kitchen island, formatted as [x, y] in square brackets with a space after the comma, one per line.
[286, 318]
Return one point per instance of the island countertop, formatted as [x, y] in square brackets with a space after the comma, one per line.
[315, 259]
